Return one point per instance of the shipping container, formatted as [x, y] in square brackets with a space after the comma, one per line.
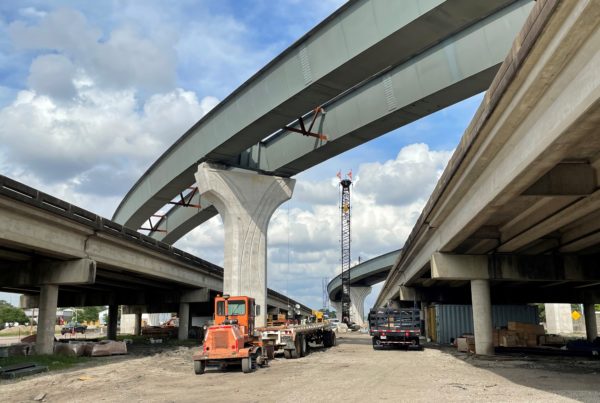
[451, 321]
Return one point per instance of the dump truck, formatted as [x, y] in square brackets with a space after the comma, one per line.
[395, 327]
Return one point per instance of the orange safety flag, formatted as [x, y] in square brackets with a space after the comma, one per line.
[350, 174]
[339, 175]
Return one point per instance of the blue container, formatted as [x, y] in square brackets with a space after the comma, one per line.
[454, 320]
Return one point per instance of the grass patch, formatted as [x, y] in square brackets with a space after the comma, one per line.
[53, 362]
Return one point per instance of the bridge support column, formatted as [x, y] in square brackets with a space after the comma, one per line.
[337, 307]
[137, 326]
[591, 329]
[184, 321]
[246, 201]
[482, 316]
[357, 303]
[44, 342]
[113, 318]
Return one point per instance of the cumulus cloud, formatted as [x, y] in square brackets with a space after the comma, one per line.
[124, 60]
[59, 142]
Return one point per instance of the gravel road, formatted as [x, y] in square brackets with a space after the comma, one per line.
[350, 372]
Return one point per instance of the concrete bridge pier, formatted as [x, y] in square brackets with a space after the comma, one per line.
[113, 318]
[591, 329]
[246, 201]
[482, 317]
[357, 303]
[44, 343]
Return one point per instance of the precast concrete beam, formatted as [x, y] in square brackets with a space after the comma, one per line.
[357, 304]
[199, 295]
[246, 202]
[565, 179]
[448, 266]
[71, 272]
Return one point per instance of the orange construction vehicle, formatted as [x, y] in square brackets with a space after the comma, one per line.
[233, 338]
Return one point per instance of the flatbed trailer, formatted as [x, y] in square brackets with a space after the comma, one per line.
[293, 339]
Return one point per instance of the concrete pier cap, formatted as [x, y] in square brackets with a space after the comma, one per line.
[246, 201]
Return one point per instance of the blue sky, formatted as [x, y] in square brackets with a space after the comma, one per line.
[91, 93]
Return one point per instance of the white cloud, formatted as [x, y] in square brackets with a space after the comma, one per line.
[123, 60]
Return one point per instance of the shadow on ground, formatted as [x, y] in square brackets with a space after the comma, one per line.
[569, 377]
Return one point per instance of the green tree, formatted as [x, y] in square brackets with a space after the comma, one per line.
[89, 313]
[9, 313]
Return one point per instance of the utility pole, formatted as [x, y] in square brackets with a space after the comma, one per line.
[345, 218]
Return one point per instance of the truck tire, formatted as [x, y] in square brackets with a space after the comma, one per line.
[287, 354]
[300, 344]
[199, 367]
[247, 365]
[304, 348]
[377, 344]
[329, 339]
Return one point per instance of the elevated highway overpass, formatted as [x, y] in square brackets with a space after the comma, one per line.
[372, 65]
[56, 253]
[362, 277]
[515, 215]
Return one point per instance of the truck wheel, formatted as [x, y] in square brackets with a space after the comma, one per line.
[333, 339]
[304, 347]
[327, 339]
[287, 354]
[299, 343]
[247, 365]
[199, 367]
[377, 344]
[270, 350]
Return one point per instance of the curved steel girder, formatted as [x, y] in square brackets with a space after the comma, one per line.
[359, 40]
[367, 273]
[448, 73]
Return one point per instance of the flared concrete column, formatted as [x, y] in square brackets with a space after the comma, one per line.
[482, 316]
[44, 342]
[184, 321]
[113, 318]
[357, 303]
[337, 307]
[591, 329]
[246, 201]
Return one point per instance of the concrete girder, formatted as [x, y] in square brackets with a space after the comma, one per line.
[571, 178]
[515, 267]
[535, 293]
[528, 123]
[365, 273]
[246, 202]
[80, 271]
[312, 71]
[447, 73]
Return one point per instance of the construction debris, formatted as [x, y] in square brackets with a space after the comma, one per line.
[21, 370]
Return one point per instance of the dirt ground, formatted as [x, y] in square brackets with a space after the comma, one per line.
[350, 372]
